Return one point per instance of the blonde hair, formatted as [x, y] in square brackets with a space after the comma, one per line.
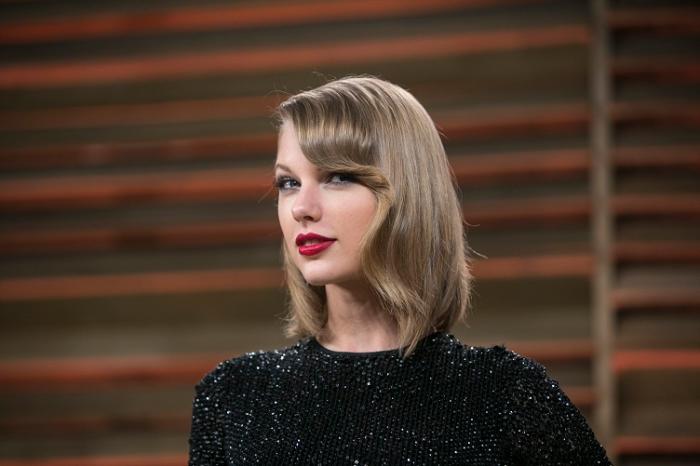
[414, 254]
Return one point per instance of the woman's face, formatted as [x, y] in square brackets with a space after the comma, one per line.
[323, 216]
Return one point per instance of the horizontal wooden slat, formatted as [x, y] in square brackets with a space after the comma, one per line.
[658, 113]
[115, 190]
[645, 252]
[651, 445]
[86, 373]
[203, 18]
[116, 460]
[560, 351]
[492, 122]
[660, 70]
[555, 266]
[287, 57]
[105, 372]
[654, 360]
[106, 153]
[75, 425]
[83, 286]
[673, 156]
[685, 206]
[582, 397]
[487, 214]
[117, 115]
[575, 209]
[660, 19]
[650, 299]
[157, 237]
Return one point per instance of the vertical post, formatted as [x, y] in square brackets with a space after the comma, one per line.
[602, 224]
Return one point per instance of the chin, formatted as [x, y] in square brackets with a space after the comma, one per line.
[316, 282]
[325, 277]
[317, 273]
[316, 277]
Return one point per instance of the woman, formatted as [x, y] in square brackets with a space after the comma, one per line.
[377, 273]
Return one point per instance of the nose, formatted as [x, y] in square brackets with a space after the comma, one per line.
[307, 205]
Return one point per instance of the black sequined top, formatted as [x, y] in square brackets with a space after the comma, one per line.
[446, 404]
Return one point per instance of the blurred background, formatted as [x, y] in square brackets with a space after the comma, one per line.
[139, 241]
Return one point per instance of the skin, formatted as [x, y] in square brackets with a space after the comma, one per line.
[333, 205]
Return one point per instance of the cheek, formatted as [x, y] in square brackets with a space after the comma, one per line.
[285, 220]
[358, 219]
[369, 207]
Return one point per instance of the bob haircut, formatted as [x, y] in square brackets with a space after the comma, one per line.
[414, 254]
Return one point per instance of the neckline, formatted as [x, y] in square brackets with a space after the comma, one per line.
[314, 343]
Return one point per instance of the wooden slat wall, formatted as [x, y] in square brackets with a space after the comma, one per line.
[139, 241]
[655, 295]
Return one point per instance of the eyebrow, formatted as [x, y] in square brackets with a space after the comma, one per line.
[282, 166]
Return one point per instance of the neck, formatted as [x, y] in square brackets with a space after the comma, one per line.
[355, 323]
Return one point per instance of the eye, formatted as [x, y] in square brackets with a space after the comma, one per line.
[341, 178]
[285, 183]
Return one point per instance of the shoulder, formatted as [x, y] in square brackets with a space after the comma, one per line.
[247, 367]
[543, 425]
[523, 383]
[518, 383]
[495, 372]
[517, 376]
[502, 362]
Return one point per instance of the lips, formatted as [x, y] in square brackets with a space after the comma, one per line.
[311, 244]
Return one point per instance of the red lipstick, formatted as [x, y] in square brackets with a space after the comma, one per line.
[311, 244]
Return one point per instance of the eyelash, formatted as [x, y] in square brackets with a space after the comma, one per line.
[282, 181]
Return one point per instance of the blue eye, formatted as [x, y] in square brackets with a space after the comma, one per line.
[285, 183]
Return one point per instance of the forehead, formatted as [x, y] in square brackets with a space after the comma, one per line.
[288, 151]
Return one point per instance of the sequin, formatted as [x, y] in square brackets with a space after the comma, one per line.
[446, 404]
